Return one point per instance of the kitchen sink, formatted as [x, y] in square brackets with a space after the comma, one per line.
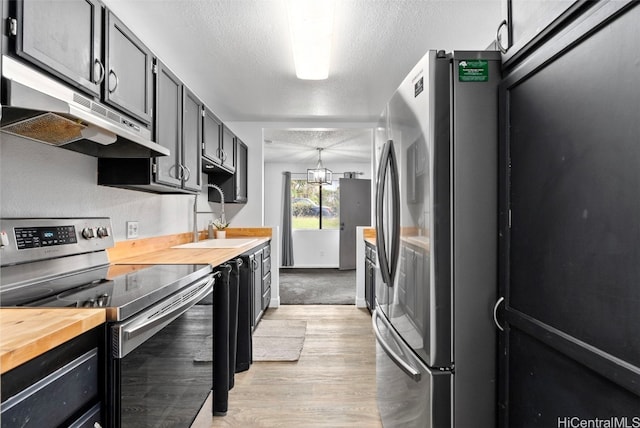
[218, 243]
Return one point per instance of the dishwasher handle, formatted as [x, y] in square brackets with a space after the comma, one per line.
[414, 374]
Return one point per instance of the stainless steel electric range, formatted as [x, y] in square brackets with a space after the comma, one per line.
[159, 317]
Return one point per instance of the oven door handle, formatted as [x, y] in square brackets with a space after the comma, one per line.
[158, 316]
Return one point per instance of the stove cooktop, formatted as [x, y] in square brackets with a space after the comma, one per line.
[123, 289]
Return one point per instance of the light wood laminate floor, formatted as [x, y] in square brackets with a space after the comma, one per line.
[331, 385]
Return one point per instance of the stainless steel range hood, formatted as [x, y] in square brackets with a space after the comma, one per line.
[36, 107]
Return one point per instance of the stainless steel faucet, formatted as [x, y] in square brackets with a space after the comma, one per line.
[223, 218]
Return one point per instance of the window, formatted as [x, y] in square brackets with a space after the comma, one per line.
[315, 206]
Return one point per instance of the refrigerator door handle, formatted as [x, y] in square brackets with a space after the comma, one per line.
[388, 267]
[380, 241]
[395, 188]
[414, 374]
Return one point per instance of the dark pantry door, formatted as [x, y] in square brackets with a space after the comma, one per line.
[570, 350]
[355, 210]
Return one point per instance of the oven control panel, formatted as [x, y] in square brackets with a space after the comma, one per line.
[33, 237]
[30, 239]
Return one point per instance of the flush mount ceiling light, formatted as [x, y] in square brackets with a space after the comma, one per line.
[311, 27]
[319, 175]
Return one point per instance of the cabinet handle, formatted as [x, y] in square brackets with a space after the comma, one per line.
[99, 64]
[187, 175]
[499, 37]
[172, 174]
[223, 156]
[495, 313]
[113, 73]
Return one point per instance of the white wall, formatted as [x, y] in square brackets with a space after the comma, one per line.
[37, 180]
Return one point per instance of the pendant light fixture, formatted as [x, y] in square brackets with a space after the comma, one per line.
[319, 175]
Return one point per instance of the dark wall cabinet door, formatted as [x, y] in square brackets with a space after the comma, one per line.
[178, 127]
[240, 176]
[128, 66]
[226, 149]
[168, 126]
[63, 38]
[192, 109]
[529, 22]
[211, 129]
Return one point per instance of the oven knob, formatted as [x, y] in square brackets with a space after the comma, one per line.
[103, 232]
[88, 233]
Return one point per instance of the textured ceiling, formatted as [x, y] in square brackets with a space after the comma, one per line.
[236, 54]
[301, 145]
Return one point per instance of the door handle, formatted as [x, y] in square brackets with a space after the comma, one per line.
[502, 48]
[495, 313]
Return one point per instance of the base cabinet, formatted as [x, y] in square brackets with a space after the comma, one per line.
[370, 276]
[63, 387]
[256, 270]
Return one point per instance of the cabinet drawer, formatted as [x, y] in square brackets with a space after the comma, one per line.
[266, 298]
[266, 265]
[57, 397]
[266, 282]
[267, 251]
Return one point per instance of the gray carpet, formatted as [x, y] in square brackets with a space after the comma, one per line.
[317, 287]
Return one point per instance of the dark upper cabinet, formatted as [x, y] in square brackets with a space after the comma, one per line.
[63, 38]
[240, 177]
[178, 127]
[527, 23]
[192, 122]
[227, 154]
[168, 126]
[128, 71]
[211, 140]
[68, 40]
[233, 185]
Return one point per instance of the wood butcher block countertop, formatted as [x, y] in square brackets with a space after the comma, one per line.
[159, 251]
[26, 333]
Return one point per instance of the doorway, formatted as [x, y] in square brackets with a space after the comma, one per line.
[344, 151]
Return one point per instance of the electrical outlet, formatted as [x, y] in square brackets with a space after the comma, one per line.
[132, 229]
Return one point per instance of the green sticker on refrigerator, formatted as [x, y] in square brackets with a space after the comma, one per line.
[473, 70]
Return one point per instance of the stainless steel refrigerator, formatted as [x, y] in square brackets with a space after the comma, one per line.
[436, 223]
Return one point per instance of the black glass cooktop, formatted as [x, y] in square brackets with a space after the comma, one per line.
[122, 289]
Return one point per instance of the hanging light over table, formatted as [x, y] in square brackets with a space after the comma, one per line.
[319, 175]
